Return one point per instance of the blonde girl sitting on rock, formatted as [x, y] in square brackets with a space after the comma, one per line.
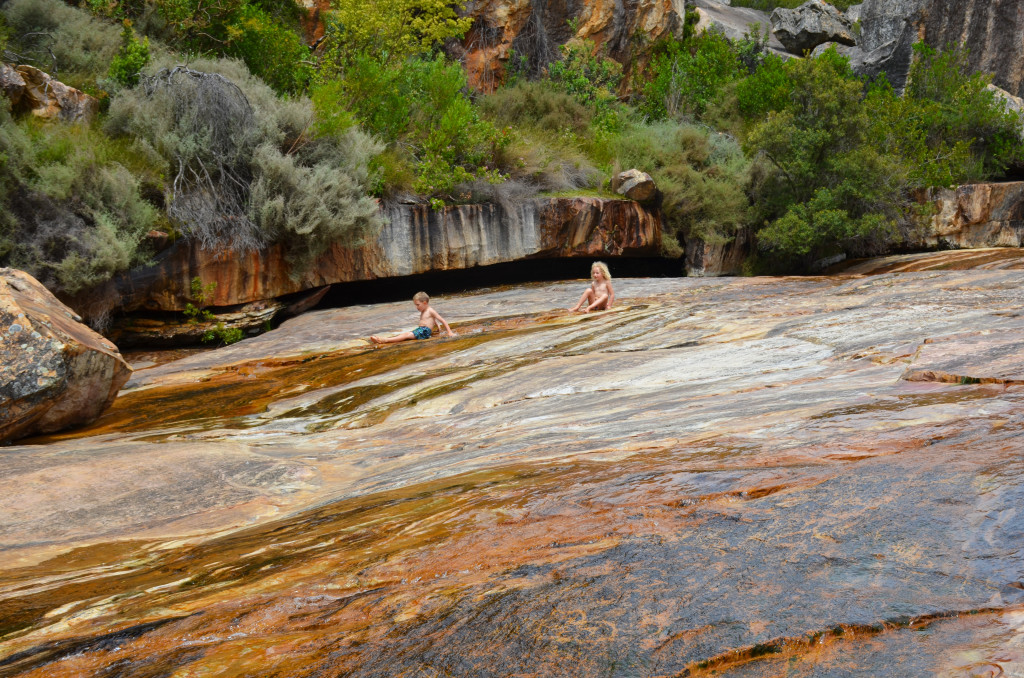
[599, 296]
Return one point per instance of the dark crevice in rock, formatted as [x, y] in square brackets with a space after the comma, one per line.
[495, 275]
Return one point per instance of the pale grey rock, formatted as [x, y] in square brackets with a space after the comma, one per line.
[810, 25]
[734, 22]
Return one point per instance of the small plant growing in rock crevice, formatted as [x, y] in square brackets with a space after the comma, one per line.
[200, 314]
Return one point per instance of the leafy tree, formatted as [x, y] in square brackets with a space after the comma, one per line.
[687, 74]
[392, 30]
[830, 189]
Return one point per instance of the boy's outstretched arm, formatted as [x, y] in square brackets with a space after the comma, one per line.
[438, 318]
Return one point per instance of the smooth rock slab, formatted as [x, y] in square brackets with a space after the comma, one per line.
[713, 476]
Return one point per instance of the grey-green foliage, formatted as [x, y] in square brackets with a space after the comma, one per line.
[246, 170]
[72, 213]
[66, 42]
[702, 175]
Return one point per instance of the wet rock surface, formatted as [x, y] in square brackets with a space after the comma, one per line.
[748, 477]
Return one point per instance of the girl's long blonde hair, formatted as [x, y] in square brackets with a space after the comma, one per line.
[603, 267]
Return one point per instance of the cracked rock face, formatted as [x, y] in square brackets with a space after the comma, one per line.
[54, 371]
[812, 24]
[751, 476]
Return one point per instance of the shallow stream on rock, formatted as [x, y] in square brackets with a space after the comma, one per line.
[743, 477]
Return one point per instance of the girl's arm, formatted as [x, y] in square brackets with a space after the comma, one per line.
[611, 295]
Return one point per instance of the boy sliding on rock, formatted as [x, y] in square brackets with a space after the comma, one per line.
[428, 319]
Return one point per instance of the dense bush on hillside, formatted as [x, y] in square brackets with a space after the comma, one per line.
[72, 211]
[813, 159]
[64, 41]
[248, 168]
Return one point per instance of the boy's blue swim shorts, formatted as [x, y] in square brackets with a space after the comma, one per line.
[421, 332]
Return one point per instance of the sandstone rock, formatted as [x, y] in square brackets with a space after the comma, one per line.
[711, 260]
[975, 215]
[809, 25]
[536, 29]
[636, 185]
[179, 330]
[33, 91]
[414, 240]
[1012, 103]
[12, 84]
[55, 372]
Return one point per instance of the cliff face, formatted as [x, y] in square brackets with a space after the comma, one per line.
[415, 240]
[991, 29]
[535, 29]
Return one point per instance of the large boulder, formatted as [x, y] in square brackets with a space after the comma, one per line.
[33, 91]
[636, 185]
[809, 25]
[54, 371]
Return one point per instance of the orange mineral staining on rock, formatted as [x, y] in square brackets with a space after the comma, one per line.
[735, 476]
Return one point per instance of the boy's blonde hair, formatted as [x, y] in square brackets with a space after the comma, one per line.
[421, 296]
[603, 268]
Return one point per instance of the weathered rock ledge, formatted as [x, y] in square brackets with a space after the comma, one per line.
[973, 215]
[415, 239]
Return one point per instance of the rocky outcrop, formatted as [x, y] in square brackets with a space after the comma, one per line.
[414, 240]
[54, 371]
[714, 259]
[33, 91]
[535, 30]
[636, 185]
[813, 23]
[974, 215]
[733, 22]
[991, 29]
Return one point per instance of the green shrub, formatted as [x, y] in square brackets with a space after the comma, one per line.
[702, 176]
[130, 59]
[687, 75]
[552, 133]
[73, 213]
[585, 73]
[420, 105]
[247, 167]
[391, 31]
[64, 41]
[272, 51]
